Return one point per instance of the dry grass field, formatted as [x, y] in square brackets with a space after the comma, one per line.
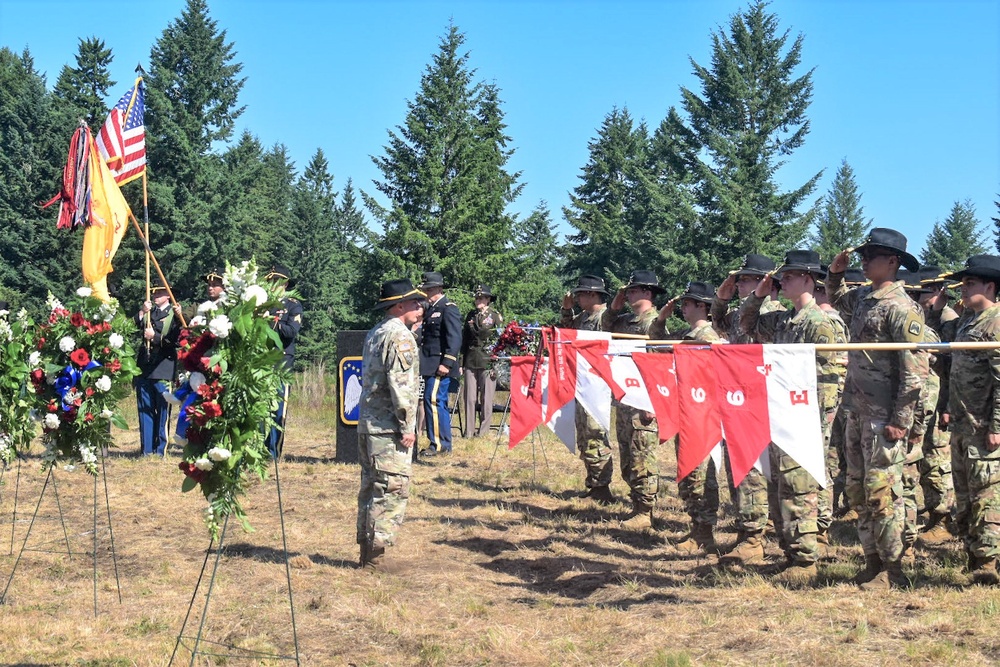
[499, 566]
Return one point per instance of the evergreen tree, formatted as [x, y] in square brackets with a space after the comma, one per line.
[444, 175]
[35, 258]
[996, 223]
[956, 239]
[535, 295]
[631, 207]
[749, 114]
[83, 89]
[841, 222]
[192, 95]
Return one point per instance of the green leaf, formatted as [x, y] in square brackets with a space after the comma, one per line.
[188, 484]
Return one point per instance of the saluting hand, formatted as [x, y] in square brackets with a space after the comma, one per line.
[764, 286]
[727, 289]
[840, 262]
[567, 302]
[667, 310]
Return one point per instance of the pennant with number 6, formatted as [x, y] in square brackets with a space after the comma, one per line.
[658, 373]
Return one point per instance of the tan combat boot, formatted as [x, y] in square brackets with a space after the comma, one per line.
[873, 566]
[371, 557]
[984, 571]
[699, 540]
[748, 551]
[640, 518]
[890, 576]
[798, 575]
[937, 531]
[602, 495]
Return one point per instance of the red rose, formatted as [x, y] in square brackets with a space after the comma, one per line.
[107, 350]
[114, 366]
[89, 391]
[37, 377]
[212, 409]
[88, 417]
[80, 357]
[41, 343]
[192, 471]
[52, 406]
[78, 320]
[195, 435]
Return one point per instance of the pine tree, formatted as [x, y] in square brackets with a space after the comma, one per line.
[192, 95]
[445, 177]
[956, 239]
[996, 223]
[749, 114]
[35, 258]
[83, 89]
[841, 222]
[535, 295]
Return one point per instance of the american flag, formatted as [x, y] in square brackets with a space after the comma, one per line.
[122, 139]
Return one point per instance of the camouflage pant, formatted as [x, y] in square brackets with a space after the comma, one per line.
[637, 441]
[750, 499]
[700, 493]
[977, 492]
[935, 472]
[385, 488]
[839, 471]
[798, 498]
[911, 480]
[825, 501]
[875, 486]
[595, 449]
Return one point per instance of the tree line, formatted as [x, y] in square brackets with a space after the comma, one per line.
[687, 198]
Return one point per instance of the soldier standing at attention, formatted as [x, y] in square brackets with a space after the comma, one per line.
[440, 344]
[798, 492]
[591, 440]
[751, 498]
[634, 428]
[287, 322]
[479, 379]
[882, 390]
[974, 414]
[156, 357]
[387, 420]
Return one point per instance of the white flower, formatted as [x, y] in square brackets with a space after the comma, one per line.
[22, 315]
[197, 321]
[34, 358]
[203, 464]
[87, 455]
[5, 330]
[196, 380]
[219, 454]
[84, 292]
[207, 307]
[67, 344]
[108, 310]
[103, 383]
[220, 326]
[51, 421]
[69, 467]
[53, 303]
[107, 414]
[255, 293]
[4, 313]
[116, 340]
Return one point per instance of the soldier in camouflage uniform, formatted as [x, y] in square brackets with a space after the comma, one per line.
[974, 412]
[634, 428]
[798, 492]
[387, 420]
[592, 441]
[700, 489]
[935, 466]
[753, 497]
[882, 391]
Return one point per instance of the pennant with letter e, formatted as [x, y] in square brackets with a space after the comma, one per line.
[526, 411]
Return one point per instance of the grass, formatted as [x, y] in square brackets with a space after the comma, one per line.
[498, 565]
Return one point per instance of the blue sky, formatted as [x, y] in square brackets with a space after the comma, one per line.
[908, 92]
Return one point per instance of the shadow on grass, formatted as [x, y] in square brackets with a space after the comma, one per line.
[264, 554]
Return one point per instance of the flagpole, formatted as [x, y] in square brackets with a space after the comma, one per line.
[156, 264]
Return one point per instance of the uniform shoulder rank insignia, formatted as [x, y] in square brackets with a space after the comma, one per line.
[914, 328]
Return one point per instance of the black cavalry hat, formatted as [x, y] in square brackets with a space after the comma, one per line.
[431, 279]
[281, 273]
[754, 265]
[803, 260]
[158, 286]
[213, 275]
[397, 291]
[980, 266]
[911, 281]
[589, 283]
[933, 276]
[890, 239]
[699, 291]
[645, 278]
[483, 290]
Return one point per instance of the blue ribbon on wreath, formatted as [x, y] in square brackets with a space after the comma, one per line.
[68, 379]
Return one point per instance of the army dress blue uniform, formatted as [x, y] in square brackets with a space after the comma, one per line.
[156, 359]
[440, 345]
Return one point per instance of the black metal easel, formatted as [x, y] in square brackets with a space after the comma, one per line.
[195, 643]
